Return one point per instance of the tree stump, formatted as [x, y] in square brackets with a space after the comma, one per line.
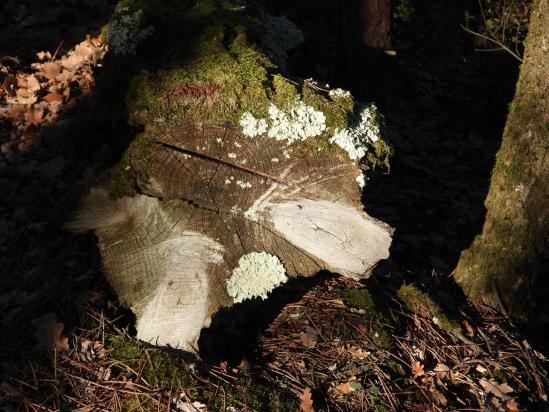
[240, 180]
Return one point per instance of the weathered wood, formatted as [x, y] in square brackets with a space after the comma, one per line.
[225, 205]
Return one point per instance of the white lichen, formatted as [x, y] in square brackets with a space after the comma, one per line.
[243, 185]
[339, 94]
[281, 36]
[251, 126]
[251, 214]
[361, 181]
[232, 155]
[354, 140]
[274, 160]
[299, 122]
[257, 274]
[125, 32]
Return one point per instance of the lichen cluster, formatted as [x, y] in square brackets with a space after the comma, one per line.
[299, 123]
[355, 139]
[125, 31]
[222, 76]
[257, 274]
[281, 35]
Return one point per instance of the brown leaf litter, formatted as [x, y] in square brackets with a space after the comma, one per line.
[423, 368]
[29, 100]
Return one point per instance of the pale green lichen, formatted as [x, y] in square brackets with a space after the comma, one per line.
[298, 123]
[356, 139]
[281, 36]
[125, 31]
[257, 274]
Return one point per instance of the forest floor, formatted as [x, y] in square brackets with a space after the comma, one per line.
[318, 344]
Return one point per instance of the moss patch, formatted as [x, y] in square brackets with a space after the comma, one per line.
[164, 371]
[421, 304]
[362, 300]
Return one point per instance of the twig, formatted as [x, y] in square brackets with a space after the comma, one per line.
[500, 44]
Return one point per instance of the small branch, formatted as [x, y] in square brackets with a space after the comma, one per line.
[500, 44]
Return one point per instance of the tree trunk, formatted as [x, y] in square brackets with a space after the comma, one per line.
[502, 264]
[375, 23]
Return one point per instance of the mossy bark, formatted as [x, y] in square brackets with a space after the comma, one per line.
[503, 262]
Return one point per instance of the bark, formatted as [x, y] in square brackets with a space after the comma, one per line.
[503, 262]
[375, 19]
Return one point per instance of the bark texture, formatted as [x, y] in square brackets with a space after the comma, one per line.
[375, 19]
[503, 262]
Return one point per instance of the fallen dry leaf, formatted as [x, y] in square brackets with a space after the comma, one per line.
[500, 390]
[50, 70]
[190, 407]
[358, 353]
[23, 96]
[341, 389]
[468, 328]
[32, 83]
[513, 406]
[308, 339]
[417, 369]
[306, 404]
[9, 85]
[84, 49]
[61, 343]
[344, 388]
[17, 111]
[72, 62]
[441, 369]
[43, 55]
[35, 115]
[49, 333]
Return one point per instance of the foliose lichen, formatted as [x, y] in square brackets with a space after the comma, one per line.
[257, 274]
[298, 123]
[125, 31]
[281, 35]
[355, 139]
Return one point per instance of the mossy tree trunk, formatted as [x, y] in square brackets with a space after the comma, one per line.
[503, 262]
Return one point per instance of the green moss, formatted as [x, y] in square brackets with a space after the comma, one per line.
[223, 75]
[337, 112]
[421, 304]
[121, 178]
[164, 371]
[124, 348]
[284, 92]
[379, 154]
[361, 299]
[396, 367]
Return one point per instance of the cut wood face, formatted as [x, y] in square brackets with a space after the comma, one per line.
[210, 197]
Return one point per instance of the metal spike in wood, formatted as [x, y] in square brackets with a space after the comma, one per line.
[222, 218]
